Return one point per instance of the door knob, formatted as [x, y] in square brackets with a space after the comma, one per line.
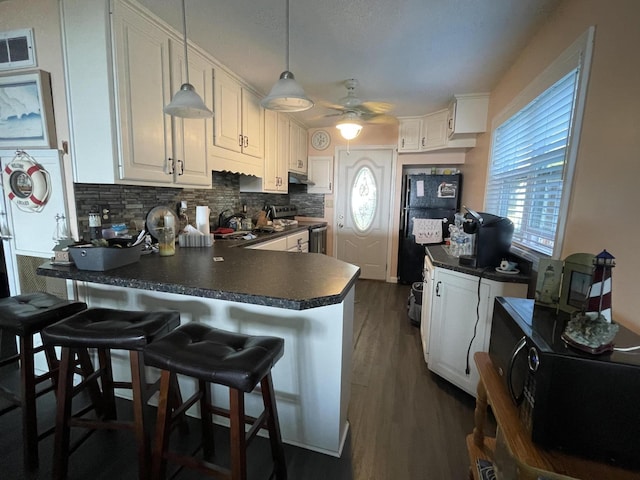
[340, 225]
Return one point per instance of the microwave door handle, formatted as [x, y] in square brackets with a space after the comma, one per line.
[517, 399]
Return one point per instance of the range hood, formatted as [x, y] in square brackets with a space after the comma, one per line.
[299, 178]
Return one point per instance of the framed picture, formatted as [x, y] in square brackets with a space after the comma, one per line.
[26, 111]
[549, 282]
[576, 281]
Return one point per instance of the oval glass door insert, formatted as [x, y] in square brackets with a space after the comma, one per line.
[364, 199]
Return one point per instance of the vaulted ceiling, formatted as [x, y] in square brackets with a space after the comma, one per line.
[414, 54]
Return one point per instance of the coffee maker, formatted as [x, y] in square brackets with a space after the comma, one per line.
[492, 238]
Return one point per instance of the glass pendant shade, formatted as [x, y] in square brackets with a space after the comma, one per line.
[287, 95]
[350, 127]
[187, 103]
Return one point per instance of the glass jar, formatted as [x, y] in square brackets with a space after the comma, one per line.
[166, 241]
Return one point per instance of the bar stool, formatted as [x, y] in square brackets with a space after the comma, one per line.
[106, 329]
[214, 356]
[25, 316]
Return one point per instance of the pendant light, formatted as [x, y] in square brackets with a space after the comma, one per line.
[349, 125]
[186, 103]
[287, 95]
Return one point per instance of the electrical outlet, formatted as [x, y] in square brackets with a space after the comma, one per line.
[105, 214]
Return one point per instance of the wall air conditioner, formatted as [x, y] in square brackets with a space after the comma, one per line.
[16, 49]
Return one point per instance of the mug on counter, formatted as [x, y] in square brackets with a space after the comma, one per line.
[507, 266]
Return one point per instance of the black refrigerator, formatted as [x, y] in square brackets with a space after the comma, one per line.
[424, 196]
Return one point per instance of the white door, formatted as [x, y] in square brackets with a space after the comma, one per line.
[363, 197]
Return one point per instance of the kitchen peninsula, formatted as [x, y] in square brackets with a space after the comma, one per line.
[307, 299]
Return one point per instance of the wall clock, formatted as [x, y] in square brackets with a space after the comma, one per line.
[320, 140]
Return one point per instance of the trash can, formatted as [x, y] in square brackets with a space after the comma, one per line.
[415, 303]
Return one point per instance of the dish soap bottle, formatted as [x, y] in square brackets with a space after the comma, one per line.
[183, 219]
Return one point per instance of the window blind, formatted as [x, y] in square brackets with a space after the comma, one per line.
[528, 161]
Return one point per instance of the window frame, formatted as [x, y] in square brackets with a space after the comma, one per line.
[579, 55]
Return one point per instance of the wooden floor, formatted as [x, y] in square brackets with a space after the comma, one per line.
[406, 423]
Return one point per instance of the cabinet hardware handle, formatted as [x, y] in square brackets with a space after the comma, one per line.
[423, 141]
[329, 185]
[240, 140]
[438, 289]
[403, 143]
[450, 124]
[181, 164]
[246, 141]
[170, 164]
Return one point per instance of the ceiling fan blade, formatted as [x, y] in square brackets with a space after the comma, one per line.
[333, 106]
[381, 119]
[376, 107]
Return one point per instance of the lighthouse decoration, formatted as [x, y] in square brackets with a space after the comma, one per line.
[599, 301]
[592, 329]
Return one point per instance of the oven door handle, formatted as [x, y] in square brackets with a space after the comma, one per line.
[517, 399]
[318, 230]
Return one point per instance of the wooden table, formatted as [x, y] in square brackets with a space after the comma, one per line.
[513, 453]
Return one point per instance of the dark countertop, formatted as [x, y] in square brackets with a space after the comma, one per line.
[288, 280]
[440, 258]
[266, 236]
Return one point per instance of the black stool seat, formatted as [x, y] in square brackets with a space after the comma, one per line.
[25, 316]
[216, 356]
[105, 329]
[29, 313]
[110, 328]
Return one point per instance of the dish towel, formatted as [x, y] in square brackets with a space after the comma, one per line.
[427, 230]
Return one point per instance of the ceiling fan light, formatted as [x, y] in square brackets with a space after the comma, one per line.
[186, 103]
[349, 129]
[287, 95]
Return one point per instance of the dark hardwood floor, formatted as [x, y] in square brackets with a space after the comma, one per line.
[406, 423]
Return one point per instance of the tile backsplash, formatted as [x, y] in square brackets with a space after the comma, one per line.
[130, 202]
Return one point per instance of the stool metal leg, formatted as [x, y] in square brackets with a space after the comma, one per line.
[238, 435]
[273, 425]
[28, 403]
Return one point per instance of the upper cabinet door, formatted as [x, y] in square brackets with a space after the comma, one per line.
[190, 135]
[142, 89]
[409, 138]
[252, 125]
[228, 111]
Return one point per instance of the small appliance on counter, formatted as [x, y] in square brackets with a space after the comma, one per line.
[567, 399]
[492, 238]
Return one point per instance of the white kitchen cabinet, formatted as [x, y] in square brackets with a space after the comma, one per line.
[239, 120]
[121, 72]
[298, 148]
[296, 242]
[276, 166]
[427, 302]
[191, 135]
[434, 130]
[455, 299]
[467, 115]
[321, 174]
[409, 134]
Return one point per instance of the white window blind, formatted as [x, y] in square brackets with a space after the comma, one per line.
[528, 164]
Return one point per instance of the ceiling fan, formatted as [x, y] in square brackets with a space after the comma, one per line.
[352, 106]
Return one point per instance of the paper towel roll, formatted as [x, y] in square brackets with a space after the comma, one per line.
[202, 219]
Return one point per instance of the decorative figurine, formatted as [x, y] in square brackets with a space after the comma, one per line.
[591, 329]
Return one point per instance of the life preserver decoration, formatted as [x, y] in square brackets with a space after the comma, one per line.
[26, 183]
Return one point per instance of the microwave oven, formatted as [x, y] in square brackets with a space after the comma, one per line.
[582, 404]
